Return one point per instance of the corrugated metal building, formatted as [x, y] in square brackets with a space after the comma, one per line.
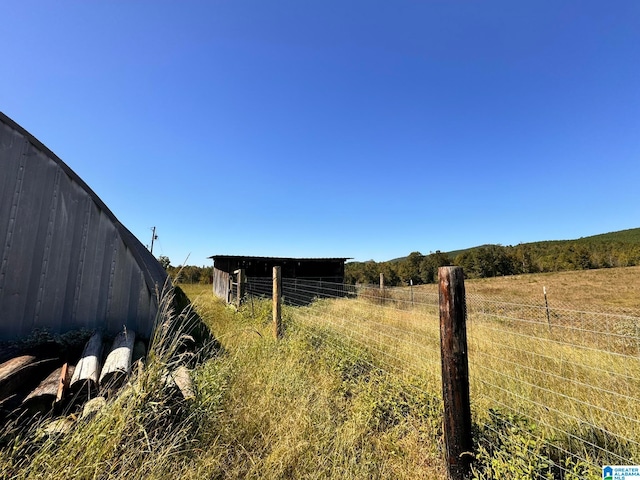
[313, 269]
[66, 261]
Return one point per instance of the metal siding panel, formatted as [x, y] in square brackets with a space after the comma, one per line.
[11, 147]
[81, 259]
[12, 185]
[44, 213]
[77, 209]
[95, 277]
[24, 241]
[130, 292]
[111, 240]
[146, 312]
[135, 285]
[126, 292]
[47, 256]
[52, 301]
[119, 288]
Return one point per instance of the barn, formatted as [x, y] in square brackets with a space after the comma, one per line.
[330, 270]
[66, 261]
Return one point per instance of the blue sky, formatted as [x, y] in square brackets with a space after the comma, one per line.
[359, 129]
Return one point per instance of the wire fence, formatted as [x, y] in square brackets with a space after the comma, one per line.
[565, 381]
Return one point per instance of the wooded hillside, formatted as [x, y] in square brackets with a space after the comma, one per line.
[615, 249]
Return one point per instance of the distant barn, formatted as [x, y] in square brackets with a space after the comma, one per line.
[314, 271]
[66, 261]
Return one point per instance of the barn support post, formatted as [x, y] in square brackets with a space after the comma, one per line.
[241, 280]
[277, 302]
[455, 372]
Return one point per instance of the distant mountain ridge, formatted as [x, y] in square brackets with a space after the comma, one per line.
[630, 236]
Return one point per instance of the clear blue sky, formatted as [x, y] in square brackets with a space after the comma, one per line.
[361, 129]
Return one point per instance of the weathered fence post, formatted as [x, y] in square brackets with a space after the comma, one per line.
[241, 279]
[455, 372]
[546, 304]
[411, 287]
[277, 302]
[381, 281]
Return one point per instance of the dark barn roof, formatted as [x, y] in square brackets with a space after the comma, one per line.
[66, 261]
[291, 267]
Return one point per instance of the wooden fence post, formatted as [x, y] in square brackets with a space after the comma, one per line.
[546, 304]
[455, 372]
[277, 302]
[411, 287]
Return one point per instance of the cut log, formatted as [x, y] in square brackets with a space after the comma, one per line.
[118, 363]
[87, 370]
[22, 373]
[50, 390]
[8, 368]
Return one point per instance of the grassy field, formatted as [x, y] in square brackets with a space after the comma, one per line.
[602, 289]
[352, 392]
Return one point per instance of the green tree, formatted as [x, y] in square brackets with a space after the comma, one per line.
[164, 261]
[408, 270]
[430, 264]
[391, 277]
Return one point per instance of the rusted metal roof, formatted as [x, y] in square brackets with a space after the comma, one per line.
[66, 262]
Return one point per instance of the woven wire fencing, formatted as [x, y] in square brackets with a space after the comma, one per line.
[563, 381]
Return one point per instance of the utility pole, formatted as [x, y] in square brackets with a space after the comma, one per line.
[153, 237]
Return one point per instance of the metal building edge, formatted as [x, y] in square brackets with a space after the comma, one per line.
[153, 275]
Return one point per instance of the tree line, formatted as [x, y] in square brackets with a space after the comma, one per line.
[497, 260]
[187, 273]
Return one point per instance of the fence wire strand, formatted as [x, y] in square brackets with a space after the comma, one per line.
[573, 372]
